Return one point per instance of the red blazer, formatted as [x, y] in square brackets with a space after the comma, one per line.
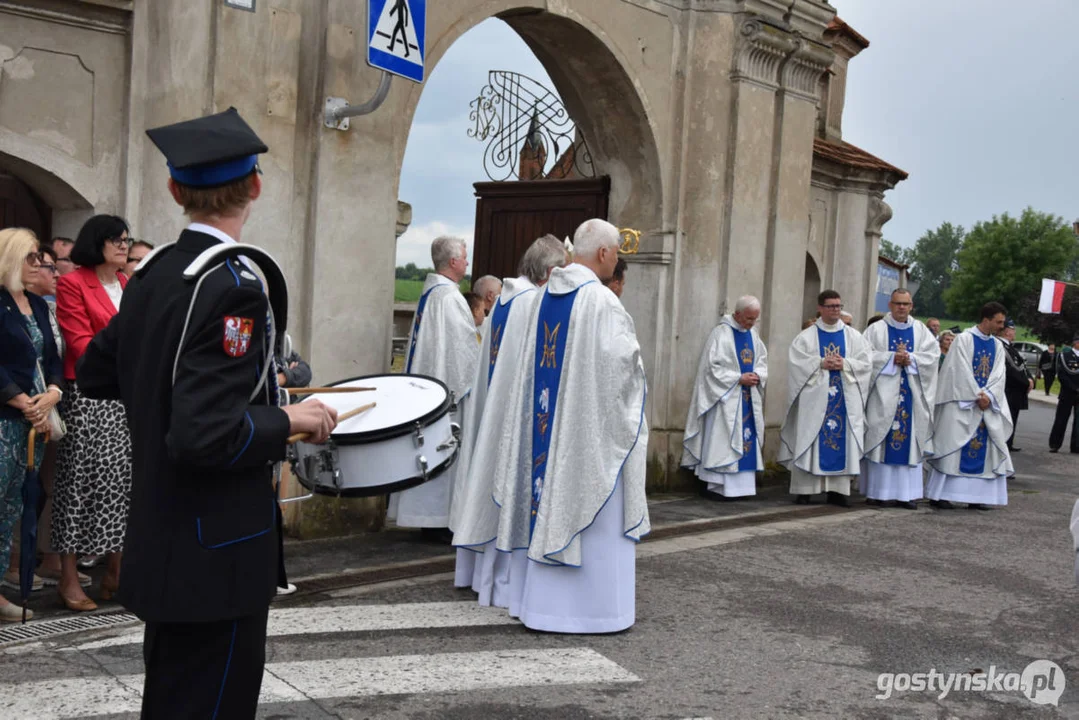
[83, 309]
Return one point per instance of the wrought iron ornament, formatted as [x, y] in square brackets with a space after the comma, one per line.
[513, 110]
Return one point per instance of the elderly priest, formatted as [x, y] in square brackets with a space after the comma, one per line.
[570, 479]
[899, 411]
[722, 444]
[442, 345]
[972, 422]
[822, 435]
[475, 514]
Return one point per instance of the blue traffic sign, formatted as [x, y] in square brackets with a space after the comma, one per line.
[396, 36]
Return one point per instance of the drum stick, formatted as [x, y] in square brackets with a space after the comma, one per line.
[327, 390]
[299, 437]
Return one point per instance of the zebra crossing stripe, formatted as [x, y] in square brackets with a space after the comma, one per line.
[336, 678]
[354, 618]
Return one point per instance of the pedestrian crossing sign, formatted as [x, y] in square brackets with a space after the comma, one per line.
[396, 36]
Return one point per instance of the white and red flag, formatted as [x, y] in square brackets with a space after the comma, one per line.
[1052, 297]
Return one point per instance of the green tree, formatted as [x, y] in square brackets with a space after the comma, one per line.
[934, 260]
[902, 255]
[1006, 258]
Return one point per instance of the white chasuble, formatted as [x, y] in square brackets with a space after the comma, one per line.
[970, 454]
[442, 345]
[725, 424]
[824, 430]
[571, 478]
[475, 512]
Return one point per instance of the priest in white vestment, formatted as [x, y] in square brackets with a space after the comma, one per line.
[725, 425]
[475, 515]
[828, 381]
[971, 421]
[571, 478]
[899, 411]
[442, 345]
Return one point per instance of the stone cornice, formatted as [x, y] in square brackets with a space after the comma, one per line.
[833, 176]
[759, 51]
[111, 18]
[801, 72]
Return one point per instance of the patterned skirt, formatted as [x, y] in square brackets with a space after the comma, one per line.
[93, 477]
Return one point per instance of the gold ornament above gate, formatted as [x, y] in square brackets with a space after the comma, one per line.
[631, 241]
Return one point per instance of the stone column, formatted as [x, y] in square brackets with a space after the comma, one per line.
[788, 231]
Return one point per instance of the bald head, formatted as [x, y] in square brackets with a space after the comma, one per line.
[488, 288]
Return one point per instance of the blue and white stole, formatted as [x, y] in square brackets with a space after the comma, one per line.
[897, 444]
[972, 461]
[743, 344]
[832, 438]
[498, 325]
[416, 328]
[552, 331]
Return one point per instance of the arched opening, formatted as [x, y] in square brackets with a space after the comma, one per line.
[21, 207]
[31, 196]
[440, 162]
[812, 288]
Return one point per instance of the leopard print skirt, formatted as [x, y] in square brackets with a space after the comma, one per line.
[93, 477]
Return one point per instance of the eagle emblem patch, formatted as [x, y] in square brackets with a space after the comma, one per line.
[237, 338]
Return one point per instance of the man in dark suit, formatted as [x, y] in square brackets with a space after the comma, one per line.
[1068, 372]
[1047, 363]
[193, 363]
[1018, 381]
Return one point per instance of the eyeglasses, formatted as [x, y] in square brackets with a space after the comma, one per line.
[832, 307]
[49, 267]
[119, 242]
[35, 258]
[902, 304]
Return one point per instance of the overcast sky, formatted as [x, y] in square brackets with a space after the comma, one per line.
[976, 99]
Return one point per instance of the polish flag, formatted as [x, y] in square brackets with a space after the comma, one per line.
[1052, 297]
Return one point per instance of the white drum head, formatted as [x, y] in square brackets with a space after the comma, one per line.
[401, 400]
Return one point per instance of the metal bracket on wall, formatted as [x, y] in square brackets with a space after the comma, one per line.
[338, 110]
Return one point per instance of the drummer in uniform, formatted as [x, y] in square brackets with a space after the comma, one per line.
[201, 551]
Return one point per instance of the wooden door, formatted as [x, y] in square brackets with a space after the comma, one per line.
[20, 207]
[511, 215]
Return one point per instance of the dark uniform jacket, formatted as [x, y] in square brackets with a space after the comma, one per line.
[1068, 372]
[1017, 378]
[201, 540]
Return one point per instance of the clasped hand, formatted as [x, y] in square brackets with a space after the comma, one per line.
[832, 362]
[983, 402]
[36, 409]
[750, 379]
[902, 358]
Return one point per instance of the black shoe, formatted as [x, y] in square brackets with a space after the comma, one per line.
[942, 504]
[1015, 449]
[713, 496]
[976, 506]
[801, 499]
[1011, 477]
[873, 503]
[442, 536]
[908, 505]
[835, 498]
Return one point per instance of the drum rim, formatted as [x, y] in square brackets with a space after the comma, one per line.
[394, 431]
[377, 490]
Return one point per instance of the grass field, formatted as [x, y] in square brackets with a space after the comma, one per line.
[406, 291]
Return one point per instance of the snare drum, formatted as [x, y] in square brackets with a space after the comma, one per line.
[407, 439]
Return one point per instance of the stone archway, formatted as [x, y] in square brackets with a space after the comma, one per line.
[596, 85]
[811, 289]
[62, 208]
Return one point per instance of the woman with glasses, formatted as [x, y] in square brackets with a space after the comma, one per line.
[27, 351]
[93, 478]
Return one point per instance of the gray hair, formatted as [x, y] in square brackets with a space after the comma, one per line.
[485, 284]
[446, 248]
[545, 253]
[747, 302]
[592, 235]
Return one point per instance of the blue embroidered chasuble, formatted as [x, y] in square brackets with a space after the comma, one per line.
[897, 443]
[551, 333]
[972, 461]
[743, 343]
[498, 325]
[832, 438]
[416, 329]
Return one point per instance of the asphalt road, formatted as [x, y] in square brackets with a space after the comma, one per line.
[792, 620]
